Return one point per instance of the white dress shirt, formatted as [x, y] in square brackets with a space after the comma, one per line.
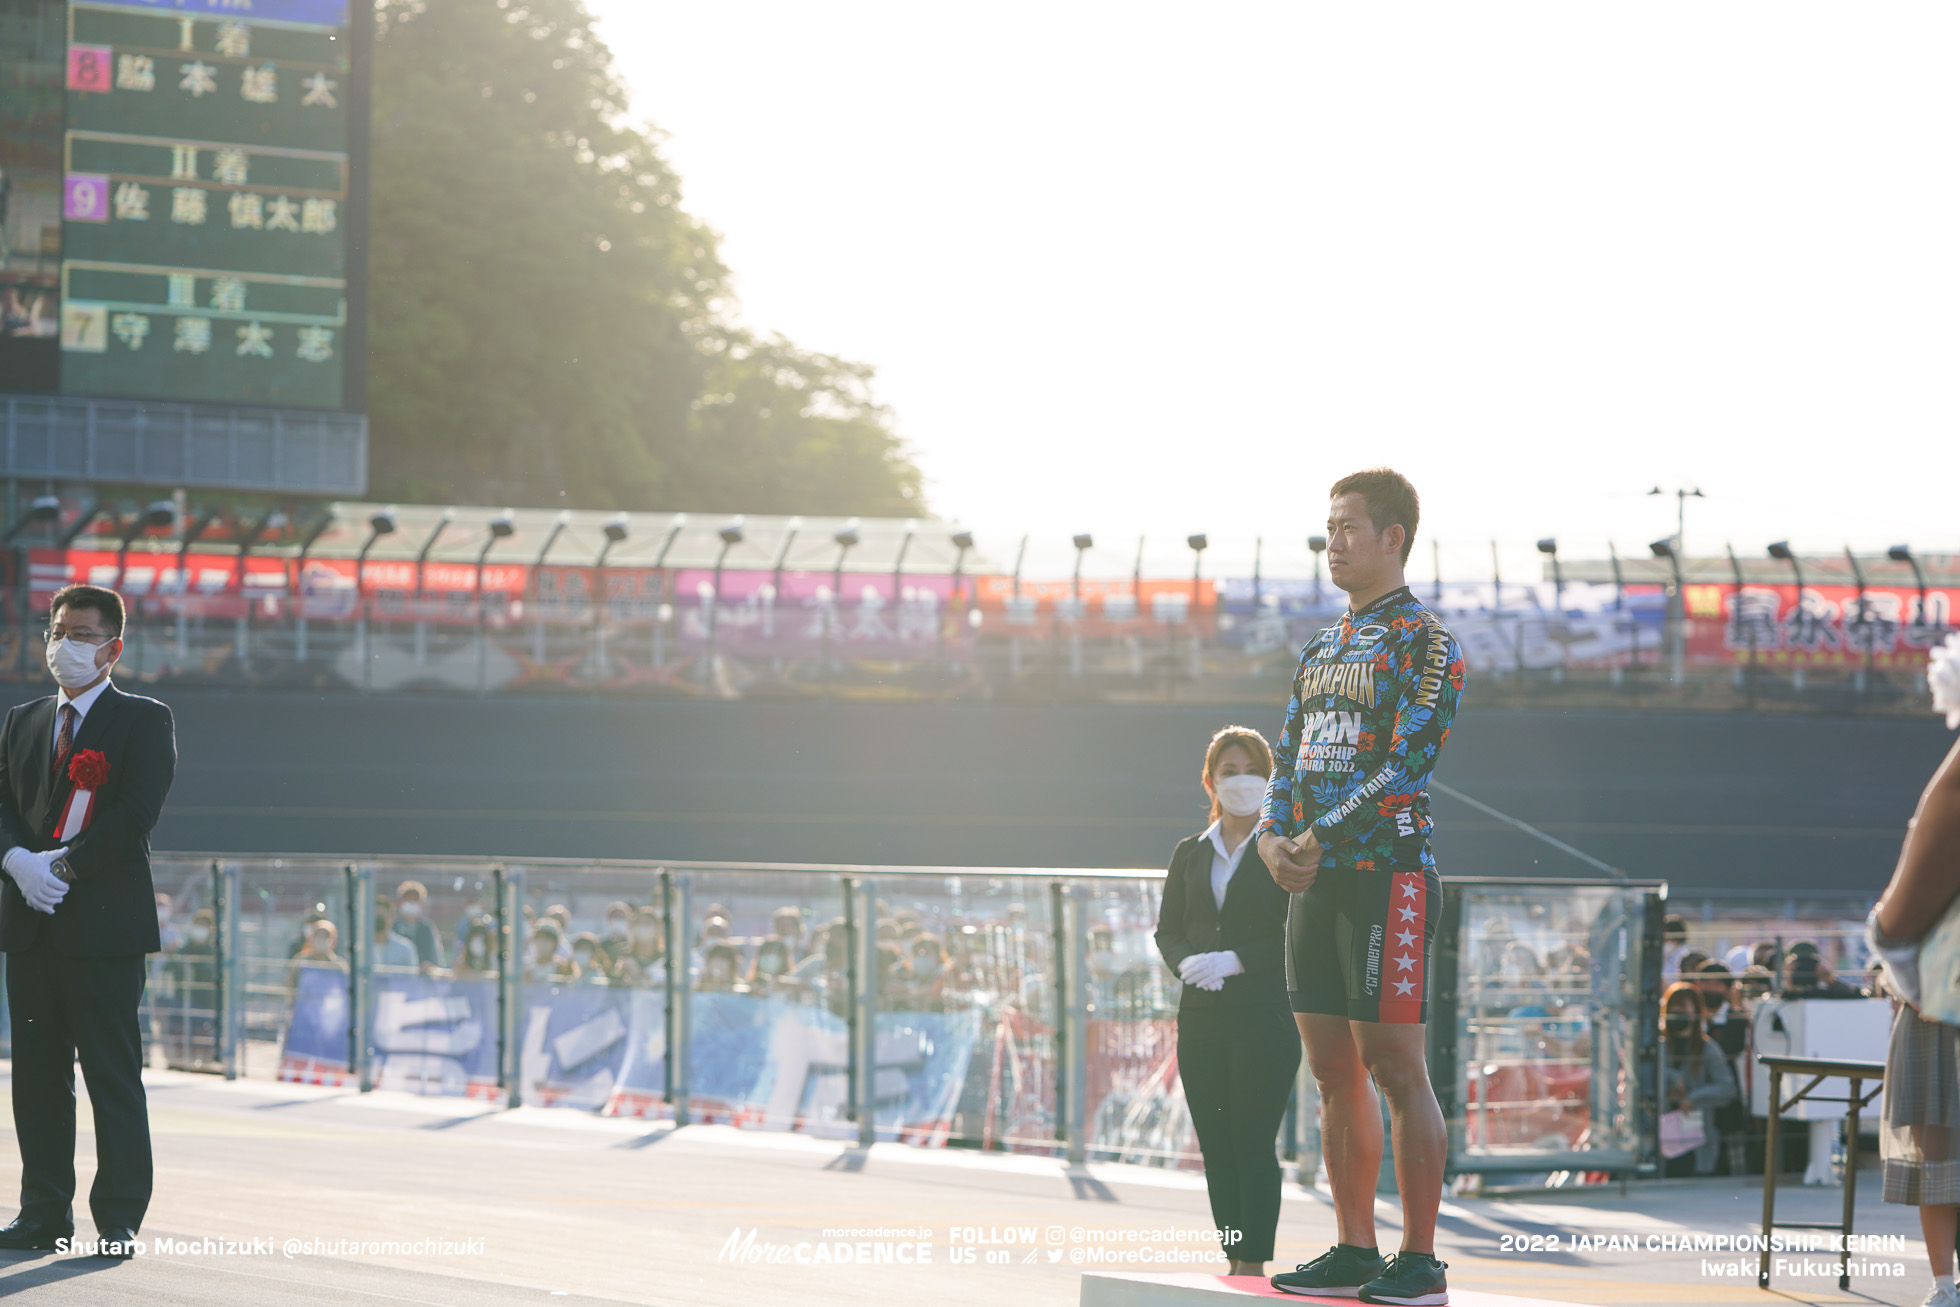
[81, 703]
[1224, 861]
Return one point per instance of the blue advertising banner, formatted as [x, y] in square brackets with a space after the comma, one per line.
[759, 1062]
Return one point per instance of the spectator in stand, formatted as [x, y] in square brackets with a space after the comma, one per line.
[172, 940]
[616, 936]
[318, 951]
[1728, 1024]
[1691, 963]
[649, 940]
[769, 969]
[412, 924]
[590, 965]
[721, 965]
[788, 926]
[925, 979]
[1698, 1077]
[477, 959]
[391, 951]
[893, 977]
[1754, 985]
[1806, 976]
[545, 966]
[714, 930]
[1674, 937]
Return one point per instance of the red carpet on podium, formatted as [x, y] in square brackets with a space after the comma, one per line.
[1193, 1289]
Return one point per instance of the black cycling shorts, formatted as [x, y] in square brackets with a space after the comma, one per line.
[1359, 944]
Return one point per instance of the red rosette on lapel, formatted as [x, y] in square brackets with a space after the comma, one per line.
[89, 770]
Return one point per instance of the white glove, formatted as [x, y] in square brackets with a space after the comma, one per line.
[1196, 968]
[40, 887]
[1208, 970]
[1901, 962]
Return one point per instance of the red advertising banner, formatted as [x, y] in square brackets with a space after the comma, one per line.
[1826, 626]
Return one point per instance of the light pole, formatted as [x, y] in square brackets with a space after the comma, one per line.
[731, 535]
[421, 568]
[663, 603]
[1549, 547]
[296, 584]
[1677, 613]
[1749, 676]
[955, 601]
[1198, 544]
[1681, 498]
[616, 529]
[1781, 551]
[1862, 677]
[380, 523]
[536, 588]
[846, 537]
[1083, 544]
[1317, 545]
[501, 527]
[1898, 554]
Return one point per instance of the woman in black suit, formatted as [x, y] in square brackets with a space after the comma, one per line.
[1222, 928]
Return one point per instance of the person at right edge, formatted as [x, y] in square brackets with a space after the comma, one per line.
[1919, 1135]
[1345, 832]
[77, 916]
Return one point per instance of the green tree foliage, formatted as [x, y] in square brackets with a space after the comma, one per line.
[548, 325]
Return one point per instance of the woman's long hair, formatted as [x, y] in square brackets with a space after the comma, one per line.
[1244, 737]
[1683, 988]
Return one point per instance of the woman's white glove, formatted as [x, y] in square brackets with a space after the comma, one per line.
[1209, 970]
[1901, 961]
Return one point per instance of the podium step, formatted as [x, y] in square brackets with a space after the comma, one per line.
[1194, 1289]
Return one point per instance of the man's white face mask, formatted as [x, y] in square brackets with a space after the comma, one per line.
[72, 663]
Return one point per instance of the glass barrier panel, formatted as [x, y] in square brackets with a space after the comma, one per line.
[1134, 1106]
[1548, 1026]
[179, 1014]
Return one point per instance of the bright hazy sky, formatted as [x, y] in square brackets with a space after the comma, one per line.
[1133, 268]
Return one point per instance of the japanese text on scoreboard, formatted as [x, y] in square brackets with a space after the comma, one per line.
[205, 178]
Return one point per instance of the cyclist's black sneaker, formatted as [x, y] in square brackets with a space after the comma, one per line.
[1337, 1273]
[1409, 1280]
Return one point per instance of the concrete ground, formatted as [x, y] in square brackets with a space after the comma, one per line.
[545, 1205]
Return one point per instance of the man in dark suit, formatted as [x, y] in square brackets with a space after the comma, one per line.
[77, 915]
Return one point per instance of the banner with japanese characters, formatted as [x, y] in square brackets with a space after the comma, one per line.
[1828, 624]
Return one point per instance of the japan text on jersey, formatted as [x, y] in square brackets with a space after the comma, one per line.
[1372, 704]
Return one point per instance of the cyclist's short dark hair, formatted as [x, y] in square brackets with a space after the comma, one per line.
[100, 598]
[1391, 501]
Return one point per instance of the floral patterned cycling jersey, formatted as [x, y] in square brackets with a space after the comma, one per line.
[1372, 704]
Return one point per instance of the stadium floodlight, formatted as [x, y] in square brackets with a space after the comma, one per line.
[1318, 546]
[82, 523]
[846, 537]
[1781, 551]
[1198, 542]
[731, 535]
[380, 523]
[245, 543]
[794, 525]
[1904, 554]
[1549, 547]
[422, 554]
[1083, 544]
[501, 527]
[296, 576]
[617, 528]
[44, 511]
[962, 543]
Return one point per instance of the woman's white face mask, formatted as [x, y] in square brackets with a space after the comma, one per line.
[1240, 795]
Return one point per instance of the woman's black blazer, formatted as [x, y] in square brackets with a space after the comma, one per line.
[1252, 924]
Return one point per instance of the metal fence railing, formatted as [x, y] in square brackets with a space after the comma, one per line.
[993, 1008]
[926, 647]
